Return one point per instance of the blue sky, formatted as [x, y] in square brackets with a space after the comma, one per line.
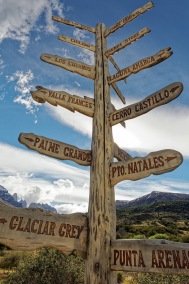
[27, 31]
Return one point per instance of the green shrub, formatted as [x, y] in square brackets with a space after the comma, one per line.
[160, 236]
[156, 278]
[48, 266]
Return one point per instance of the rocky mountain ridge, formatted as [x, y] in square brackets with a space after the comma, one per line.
[153, 197]
[13, 200]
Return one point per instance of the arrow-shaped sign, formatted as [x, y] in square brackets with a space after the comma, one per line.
[55, 149]
[31, 228]
[128, 18]
[74, 24]
[73, 103]
[70, 65]
[157, 99]
[155, 163]
[142, 256]
[141, 64]
[127, 41]
[77, 42]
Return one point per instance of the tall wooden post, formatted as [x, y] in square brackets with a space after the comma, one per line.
[102, 251]
[101, 200]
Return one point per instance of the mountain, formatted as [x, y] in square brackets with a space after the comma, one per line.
[153, 197]
[13, 200]
[44, 206]
[8, 198]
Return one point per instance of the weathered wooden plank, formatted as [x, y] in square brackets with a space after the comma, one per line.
[159, 98]
[115, 65]
[141, 64]
[155, 163]
[101, 212]
[112, 109]
[55, 149]
[74, 24]
[119, 93]
[77, 42]
[70, 65]
[71, 102]
[160, 256]
[127, 41]
[120, 154]
[29, 229]
[129, 18]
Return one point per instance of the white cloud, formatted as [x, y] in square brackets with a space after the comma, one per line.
[86, 56]
[18, 18]
[41, 179]
[80, 34]
[23, 87]
[161, 128]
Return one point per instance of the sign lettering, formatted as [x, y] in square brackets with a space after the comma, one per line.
[120, 154]
[70, 65]
[31, 228]
[150, 256]
[155, 163]
[140, 65]
[76, 25]
[128, 18]
[71, 102]
[127, 41]
[77, 42]
[157, 99]
[55, 149]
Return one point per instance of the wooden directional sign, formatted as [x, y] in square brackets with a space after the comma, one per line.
[157, 99]
[55, 149]
[74, 24]
[70, 65]
[129, 18]
[77, 42]
[120, 154]
[160, 256]
[73, 103]
[127, 41]
[155, 163]
[140, 65]
[29, 229]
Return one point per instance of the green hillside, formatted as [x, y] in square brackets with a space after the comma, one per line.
[170, 219]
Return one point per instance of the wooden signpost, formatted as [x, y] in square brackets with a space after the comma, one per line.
[55, 149]
[150, 256]
[31, 228]
[70, 65]
[155, 163]
[94, 235]
[159, 98]
[73, 103]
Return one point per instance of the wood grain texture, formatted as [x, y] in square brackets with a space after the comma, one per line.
[120, 154]
[55, 149]
[71, 102]
[141, 64]
[31, 228]
[127, 42]
[70, 65]
[159, 256]
[129, 18]
[119, 93]
[137, 168]
[77, 42]
[74, 24]
[159, 98]
[101, 212]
